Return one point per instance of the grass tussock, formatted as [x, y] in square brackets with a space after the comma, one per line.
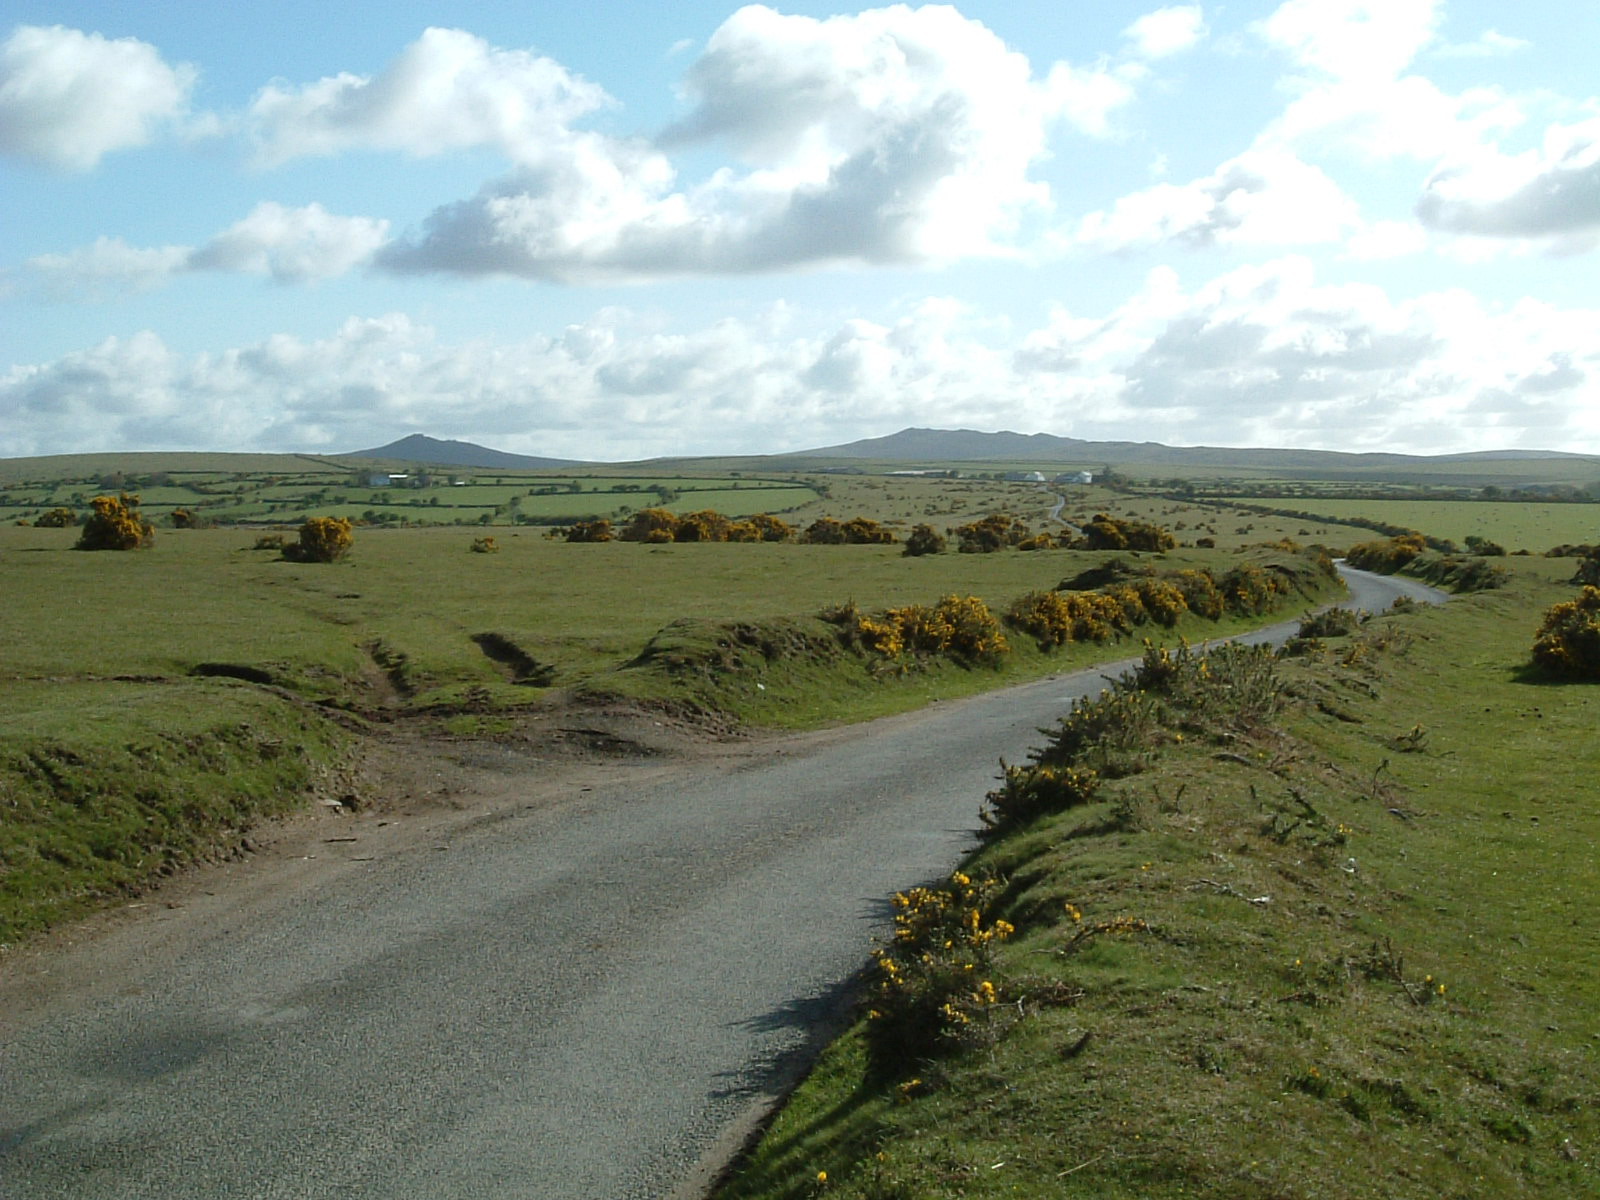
[1310, 933]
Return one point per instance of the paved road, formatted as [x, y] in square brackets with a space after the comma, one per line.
[574, 1000]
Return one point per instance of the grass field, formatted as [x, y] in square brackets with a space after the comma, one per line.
[1341, 950]
[158, 680]
[1529, 526]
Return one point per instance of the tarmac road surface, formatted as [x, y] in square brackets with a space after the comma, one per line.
[586, 999]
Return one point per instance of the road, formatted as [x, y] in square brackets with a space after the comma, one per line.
[587, 998]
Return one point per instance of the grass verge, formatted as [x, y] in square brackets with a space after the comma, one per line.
[106, 787]
[1334, 946]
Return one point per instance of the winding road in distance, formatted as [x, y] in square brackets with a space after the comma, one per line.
[587, 999]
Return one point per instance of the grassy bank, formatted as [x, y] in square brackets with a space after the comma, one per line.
[1334, 945]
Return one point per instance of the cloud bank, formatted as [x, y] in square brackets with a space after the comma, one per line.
[1261, 355]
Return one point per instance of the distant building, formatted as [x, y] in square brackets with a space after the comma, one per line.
[388, 479]
[1025, 476]
[1082, 478]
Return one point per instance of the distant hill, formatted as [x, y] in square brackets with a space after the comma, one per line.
[968, 445]
[419, 448]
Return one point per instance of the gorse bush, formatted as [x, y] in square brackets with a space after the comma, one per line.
[116, 524]
[322, 540]
[1567, 643]
[933, 989]
[56, 518]
[958, 627]
[1105, 532]
[924, 539]
[1331, 622]
[1028, 792]
[1386, 556]
[589, 532]
[991, 533]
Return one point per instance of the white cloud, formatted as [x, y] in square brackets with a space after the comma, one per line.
[1353, 39]
[1552, 193]
[68, 98]
[1352, 88]
[105, 268]
[1260, 197]
[293, 245]
[1166, 31]
[1262, 355]
[446, 91]
[892, 135]
[1491, 43]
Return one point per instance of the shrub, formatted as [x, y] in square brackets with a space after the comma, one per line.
[1249, 591]
[991, 533]
[1200, 595]
[959, 627]
[707, 525]
[863, 531]
[649, 525]
[56, 518]
[824, 531]
[1026, 793]
[116, 524]
[1162, 599]
[924, 539]
[1387, 556]
[1331, 622]
[1568, 640]
[932, 987]
[589, 532]
[485, 545]
[322, 540]
[771, 528]
[1105, 532]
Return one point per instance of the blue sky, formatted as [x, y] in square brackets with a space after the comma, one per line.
[619, 231]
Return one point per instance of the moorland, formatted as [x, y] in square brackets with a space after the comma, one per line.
[1274, 908]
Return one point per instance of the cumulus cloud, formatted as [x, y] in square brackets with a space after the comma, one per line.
[446, 91]
[292, 245]
[1262, 355]
[892, 135]
[1166, 31]
[1260, 197]
[1552, 193]
[1352, 86]
[68, 98]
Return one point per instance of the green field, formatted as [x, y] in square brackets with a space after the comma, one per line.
[133, 682]
[1340, 949]
[1522, 525]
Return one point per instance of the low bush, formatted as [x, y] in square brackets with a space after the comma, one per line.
[1028, 792]
[1567, 643]
[933, 989]
[116, 524]
[924, 539]
[1386, 556]
[322, 540]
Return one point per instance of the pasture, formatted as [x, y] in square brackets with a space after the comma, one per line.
[1520, 525]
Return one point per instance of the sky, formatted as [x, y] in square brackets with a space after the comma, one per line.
[618, 231]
